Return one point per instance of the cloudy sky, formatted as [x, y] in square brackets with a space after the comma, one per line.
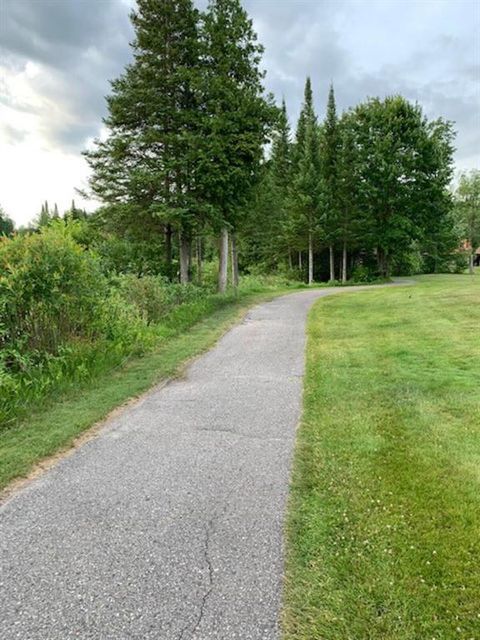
[57, 56]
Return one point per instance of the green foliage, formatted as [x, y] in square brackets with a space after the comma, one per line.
[330, 141]
[467, 207]
[51, 291]
[154, 297]
[7, 226]
[237, 116]
[403, 164]
[57, 313]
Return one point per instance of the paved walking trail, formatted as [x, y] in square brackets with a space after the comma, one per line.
[168, 525]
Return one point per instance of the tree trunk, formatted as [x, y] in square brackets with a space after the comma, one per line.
[168, 250]
[332, 263]
[184, 258]
[234, 260]
[382, 260]
[223, 261]
[470, 264]
[199, 259]
[300, 260]
[310, 258]
[344, 262]
[290, 263]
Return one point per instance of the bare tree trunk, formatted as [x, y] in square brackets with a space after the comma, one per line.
[168, 250]
[332, 263]
[199, 259]
[290, 263]
[299, 259]
[233, 240]
[310, 258]
[184, 258]
[470, 264]
[344, 262]
[383, 265]
[223, 261]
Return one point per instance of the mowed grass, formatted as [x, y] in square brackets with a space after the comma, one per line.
[384, 518]
[54, 426]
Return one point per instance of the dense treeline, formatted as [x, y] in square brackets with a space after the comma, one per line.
[200, 174]
[363, 194]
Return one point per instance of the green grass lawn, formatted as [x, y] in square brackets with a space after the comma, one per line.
[61, 418]
[384, 518]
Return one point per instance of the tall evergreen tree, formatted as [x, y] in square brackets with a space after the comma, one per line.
[329, 170]
[305, 183]
[145, 169]
[43, 218]
[237, 117]
[281, 168]
[307, 115]
[346, 192]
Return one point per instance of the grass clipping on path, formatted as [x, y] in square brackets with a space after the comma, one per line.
[384, 519]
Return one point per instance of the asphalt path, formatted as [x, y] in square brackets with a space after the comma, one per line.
[169, 524]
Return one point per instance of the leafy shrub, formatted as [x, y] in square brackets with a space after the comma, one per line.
[51, 291]
[362, 273]
[153, 296]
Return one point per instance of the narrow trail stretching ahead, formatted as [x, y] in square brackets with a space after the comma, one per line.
[168, 525]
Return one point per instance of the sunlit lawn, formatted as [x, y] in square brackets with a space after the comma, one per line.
[384, 522]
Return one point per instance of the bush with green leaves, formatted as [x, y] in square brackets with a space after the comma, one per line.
[51, 292]
[60, 321]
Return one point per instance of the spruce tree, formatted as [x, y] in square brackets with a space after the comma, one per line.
[307, 114]
[281, 150]
[330, 143]
[281, 170]
[43, 219]
[346, 192]
[305, 183]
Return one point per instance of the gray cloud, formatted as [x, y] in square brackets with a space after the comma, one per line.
[83, 43]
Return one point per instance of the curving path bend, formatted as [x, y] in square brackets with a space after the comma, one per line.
[168, 525]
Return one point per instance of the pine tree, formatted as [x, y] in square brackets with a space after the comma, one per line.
[307, 114]
[237, 118]
[346, 191]
[281, 169]
[43, 219]
[146, 168]
[305, 184]
[330, 143]
[281, 150]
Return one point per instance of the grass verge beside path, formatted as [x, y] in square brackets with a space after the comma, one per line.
[384, 518]
[62, 419]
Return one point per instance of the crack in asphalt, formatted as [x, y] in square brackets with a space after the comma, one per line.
[206, 556]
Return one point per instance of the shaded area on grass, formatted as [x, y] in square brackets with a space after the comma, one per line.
[384, 522]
